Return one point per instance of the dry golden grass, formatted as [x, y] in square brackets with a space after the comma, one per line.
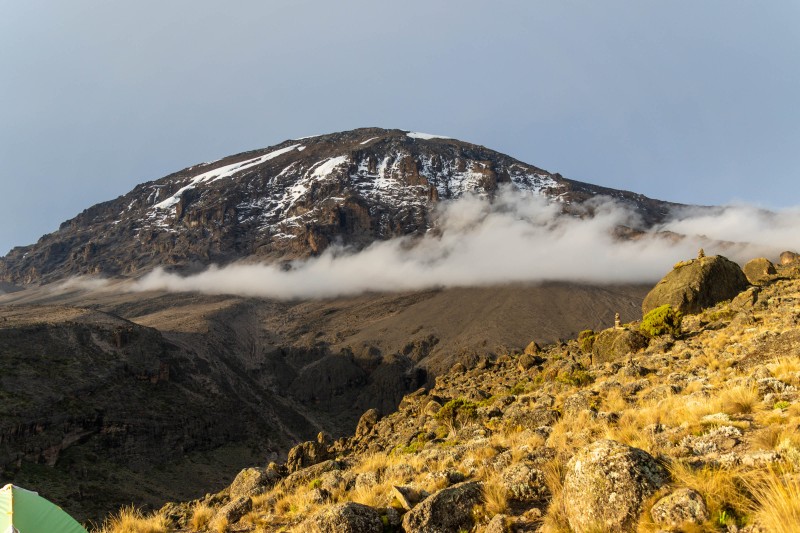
[722, 488]
[628, 430]
[201, 516]
[786, 369]
[777, 502]
[739, 400]
[614, 401]
[218, 525]
[555, 520]
[571, 433]
[132, 520]
[495, 495]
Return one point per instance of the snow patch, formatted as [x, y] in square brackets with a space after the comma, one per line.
[326, 167]
[368, 140]
[424, 136]
[221, 172]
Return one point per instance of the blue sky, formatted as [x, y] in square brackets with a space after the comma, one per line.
[688, 101]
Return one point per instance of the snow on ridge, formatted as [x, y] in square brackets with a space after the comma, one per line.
[221, 172]
[327, 166]
[368, 140]
[425, 136]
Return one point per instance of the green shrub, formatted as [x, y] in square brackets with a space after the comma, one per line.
[586, 340]
[661, 321]
[457, 411]
[576, 378]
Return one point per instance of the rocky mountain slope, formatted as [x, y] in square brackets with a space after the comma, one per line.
[695, 428]
[287, 201]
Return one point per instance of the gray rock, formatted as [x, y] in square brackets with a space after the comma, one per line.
[446, 511]
[525, 483]
[235, 509]
[606, 485]
[680, 507]
[347, 517]
[615, 344]
[249, 482]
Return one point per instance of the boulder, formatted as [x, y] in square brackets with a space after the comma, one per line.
[525, 483]
[236, 509]
[606, 485]
[679, 508]
[446, 511]
[532, 348]
[347, 517]
[787, 258]
[614, 344]
[527, 361]
[249, 482]
[697, 284]
[759, 271]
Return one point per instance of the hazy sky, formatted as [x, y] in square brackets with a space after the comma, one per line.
[685, 101]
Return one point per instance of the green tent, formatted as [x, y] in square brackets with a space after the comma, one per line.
[25, 511]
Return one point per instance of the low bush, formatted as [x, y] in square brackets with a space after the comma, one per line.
[662, 320]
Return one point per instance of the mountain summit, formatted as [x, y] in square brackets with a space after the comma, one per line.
[289, 201]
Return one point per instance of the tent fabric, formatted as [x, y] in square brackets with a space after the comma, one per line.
[27, 512]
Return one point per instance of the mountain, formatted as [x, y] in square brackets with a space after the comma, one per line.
[290, 201]
[111, 396]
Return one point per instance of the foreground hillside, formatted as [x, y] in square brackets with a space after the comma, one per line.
[111, 397]
[690, 430]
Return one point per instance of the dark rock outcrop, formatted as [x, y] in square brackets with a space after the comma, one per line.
[606, 484]
[697, 284]
[309, 453]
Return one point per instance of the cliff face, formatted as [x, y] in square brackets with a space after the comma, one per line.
[289, 201]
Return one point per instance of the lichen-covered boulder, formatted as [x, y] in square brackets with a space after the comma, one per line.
[445, 511]
[759, 271]
[249, 482]
[697, 284]
[347, 517]
[681, 507]
[525, 483]
[235, 509]
[614, 344]
[606, 484]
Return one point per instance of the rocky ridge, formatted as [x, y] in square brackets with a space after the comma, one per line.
[288, 201]
[696, 430]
